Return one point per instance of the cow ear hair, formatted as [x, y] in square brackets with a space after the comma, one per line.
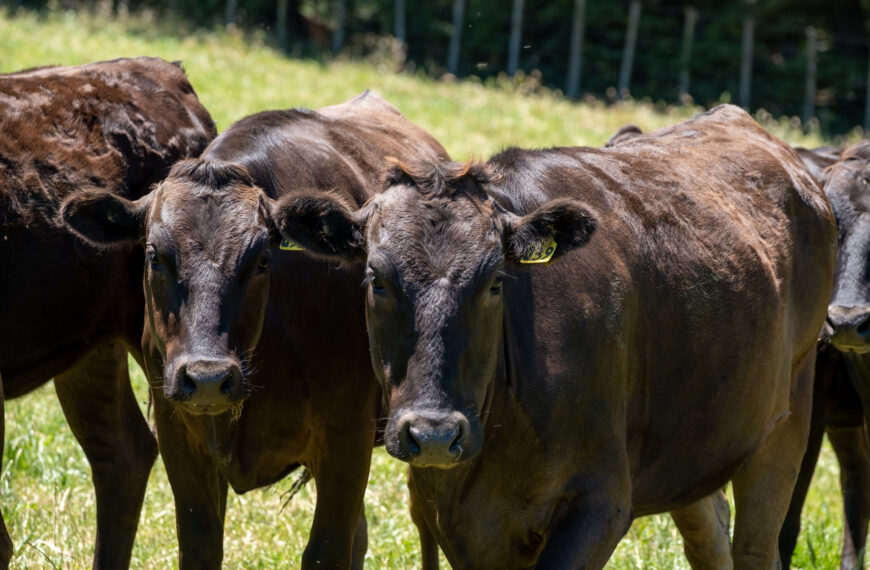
[562, 224]
[322, 223]
[104, 219]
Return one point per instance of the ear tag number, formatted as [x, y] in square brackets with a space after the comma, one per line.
[542, 254]
[290, 245]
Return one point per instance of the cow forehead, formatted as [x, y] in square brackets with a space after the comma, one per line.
[217, 220]
[434, 237]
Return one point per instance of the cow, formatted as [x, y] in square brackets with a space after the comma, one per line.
[71, 311]
[257, 352]
[571, 338]
[841, 399]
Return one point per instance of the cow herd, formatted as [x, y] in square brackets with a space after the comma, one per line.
[555, 341]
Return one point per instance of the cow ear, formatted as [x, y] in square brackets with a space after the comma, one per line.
[105, 219]
[321, 223]
[549, 232]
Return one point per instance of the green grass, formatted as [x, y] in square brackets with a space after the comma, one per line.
[45, 487]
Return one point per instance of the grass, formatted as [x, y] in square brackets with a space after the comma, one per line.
[45, 487]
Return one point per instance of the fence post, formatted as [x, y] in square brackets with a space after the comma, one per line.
[810, 83]
[867, 99]
[230, 12]
[746, 61]
[400, 45]
[575, 57]
[516, 38]
[686, 51]
[281, 23]
[628, 49]
[338, 36]
[455, 36]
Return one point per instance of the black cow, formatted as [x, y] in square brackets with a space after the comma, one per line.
[70, 311]
[841, 400]
[257, 354]
[668, 349]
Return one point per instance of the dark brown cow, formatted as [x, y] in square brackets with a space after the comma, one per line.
[841, 399]
[668, 349]
[258, 356]
[70, 311]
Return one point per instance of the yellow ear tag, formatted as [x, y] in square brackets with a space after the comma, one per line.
[543, 254]
[289, 245]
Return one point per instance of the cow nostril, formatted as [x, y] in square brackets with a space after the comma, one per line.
[187, 385]
[456, 444]
[864, 327]
[413, 441]
[227, 385]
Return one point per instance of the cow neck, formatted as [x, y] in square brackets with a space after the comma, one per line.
[220, 432]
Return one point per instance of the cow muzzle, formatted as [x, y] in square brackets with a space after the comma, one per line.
[848, 328]
[434, 439]
[208, 386]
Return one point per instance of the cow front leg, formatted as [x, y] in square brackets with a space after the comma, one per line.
[850, 446]
[5, 541]
[706, 530]
[199, 490]
[589, 527]
[102, 413]
[763, 486]
[340, 478]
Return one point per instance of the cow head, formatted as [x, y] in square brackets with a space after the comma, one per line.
[847, 184]
[438, 253]
[207, 234]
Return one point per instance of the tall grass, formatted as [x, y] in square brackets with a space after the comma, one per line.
[45, 487]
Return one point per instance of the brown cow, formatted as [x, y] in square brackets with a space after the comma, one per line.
[70, 311]
[668, 350]
[258, 356]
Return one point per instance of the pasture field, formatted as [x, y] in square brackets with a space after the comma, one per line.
[45, 486]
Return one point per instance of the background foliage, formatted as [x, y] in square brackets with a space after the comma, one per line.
[779, 57]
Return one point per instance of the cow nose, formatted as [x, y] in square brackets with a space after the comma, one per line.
[850, 328]
[210, 382]
[433, 439]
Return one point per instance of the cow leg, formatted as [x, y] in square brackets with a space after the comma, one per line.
[851, 448]
[5, 541]
[428, 544]
[792, 525]
[706, 529]
[360, 542]
[764, 484]
[586, 530]
[199, 490]
[341, 480]
[101, 410]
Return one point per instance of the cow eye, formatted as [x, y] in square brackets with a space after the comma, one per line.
[495, 288]
[377, 286]
[154, 260]
[264, 262]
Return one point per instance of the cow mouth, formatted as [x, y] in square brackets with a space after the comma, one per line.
[856, 349]
[235, 409]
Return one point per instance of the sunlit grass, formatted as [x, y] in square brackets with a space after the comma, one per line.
[45, 487]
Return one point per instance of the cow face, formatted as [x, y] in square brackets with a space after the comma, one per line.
[847, 184]
[207, 247]
[438, 254]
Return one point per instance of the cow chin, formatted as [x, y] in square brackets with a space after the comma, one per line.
[432, 438]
